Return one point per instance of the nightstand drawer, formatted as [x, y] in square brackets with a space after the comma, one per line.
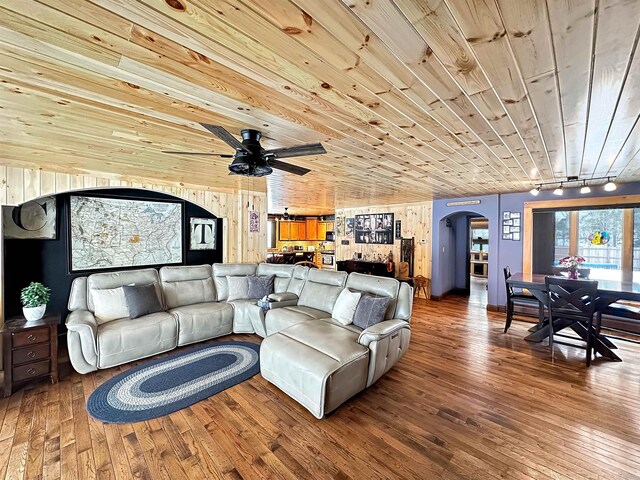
[31, 354]
[30, 336]
[31, 370]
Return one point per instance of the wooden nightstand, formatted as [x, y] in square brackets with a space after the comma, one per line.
[30, 351]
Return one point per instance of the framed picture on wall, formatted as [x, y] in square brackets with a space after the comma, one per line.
[348, 227]
[202, 233]
[375, 228]
[108, 232]
[254, 221]
[398, 229]
[34, 220]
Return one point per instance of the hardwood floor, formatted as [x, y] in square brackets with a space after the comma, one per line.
[466, 402]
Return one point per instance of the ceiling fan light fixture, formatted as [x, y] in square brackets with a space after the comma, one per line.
[609, 186]
[239, 166]
[285, 215]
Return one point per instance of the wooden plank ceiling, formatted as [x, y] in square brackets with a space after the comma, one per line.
[413, 99]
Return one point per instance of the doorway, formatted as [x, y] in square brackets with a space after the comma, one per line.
[477, 268]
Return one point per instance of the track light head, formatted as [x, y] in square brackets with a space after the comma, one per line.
[609, 186]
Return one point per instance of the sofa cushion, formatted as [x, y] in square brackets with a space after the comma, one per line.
[187, 285]
[319, 364]
[141, 300]
[321, 289]
[371, 310]
[377, 286]
[99, 281]
[110, 304]
[280, 318]
[223, 270]
[298, 279]
[238, 288]
[245, 313]
[124, 340]
[281, 272]
[260, 286]
[203, 321]
[345, 307]
[189, 292]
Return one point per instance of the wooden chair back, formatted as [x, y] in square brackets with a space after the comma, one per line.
[571, 299]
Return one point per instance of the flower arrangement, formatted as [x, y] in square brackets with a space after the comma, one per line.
[571, 263]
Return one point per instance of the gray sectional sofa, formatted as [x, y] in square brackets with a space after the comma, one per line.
[309, 355]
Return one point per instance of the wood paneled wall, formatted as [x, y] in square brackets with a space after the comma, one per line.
[416, 222]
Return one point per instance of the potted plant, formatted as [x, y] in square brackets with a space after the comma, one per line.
[572, 263]
[34, 301]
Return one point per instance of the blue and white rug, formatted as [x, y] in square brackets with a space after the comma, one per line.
[168, 384]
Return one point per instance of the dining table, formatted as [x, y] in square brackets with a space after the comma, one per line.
[609, 291]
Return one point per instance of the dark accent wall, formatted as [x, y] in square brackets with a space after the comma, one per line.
[47, 261]
[544, 224]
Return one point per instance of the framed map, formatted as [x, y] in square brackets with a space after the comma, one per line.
[115, 233]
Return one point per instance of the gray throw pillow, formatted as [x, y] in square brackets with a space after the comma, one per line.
[141, 300]
[370, 310]
[260, 286]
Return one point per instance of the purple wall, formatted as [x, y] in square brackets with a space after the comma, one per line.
[501, 252]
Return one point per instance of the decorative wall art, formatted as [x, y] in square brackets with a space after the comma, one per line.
[202, 233]
[511, 226]
[348, 228]
[339, 225]
[374, 228]
[31, 220]
[254, 221]
[398, 229]
[113, 233]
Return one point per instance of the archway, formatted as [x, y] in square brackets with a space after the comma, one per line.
[452, 256]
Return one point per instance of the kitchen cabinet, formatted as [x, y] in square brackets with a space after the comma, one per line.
[295, 231]
[329, 227]
[285, 230]
[302, 231]
[312, 228]
[322, 231]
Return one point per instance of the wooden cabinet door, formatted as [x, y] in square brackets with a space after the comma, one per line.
[312, 228]
[322, 231]
[285, 230]
[295, 231]
[302, 231]
[330, 226]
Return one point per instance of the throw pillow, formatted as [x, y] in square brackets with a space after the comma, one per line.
[238, 288]
[260, 286]
[371, 310]
[345, 307]
[141, 300]
[109, 304]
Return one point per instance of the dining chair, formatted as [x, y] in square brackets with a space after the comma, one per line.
[570, 302]
[514, 296]
[423, 283]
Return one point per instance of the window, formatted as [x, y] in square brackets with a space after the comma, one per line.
[600, 242]
[561, 247]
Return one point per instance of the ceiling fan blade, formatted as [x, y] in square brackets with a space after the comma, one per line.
[297, 151]
[287, 167]
[226, 136]
[221, 155]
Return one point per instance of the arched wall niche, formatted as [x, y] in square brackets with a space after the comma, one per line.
[19, 185]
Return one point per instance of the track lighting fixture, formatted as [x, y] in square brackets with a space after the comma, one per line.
[584, 187]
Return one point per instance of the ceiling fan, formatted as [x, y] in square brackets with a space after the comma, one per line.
[251, 159]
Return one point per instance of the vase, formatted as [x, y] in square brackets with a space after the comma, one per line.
[33, 314]
[573, 273]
